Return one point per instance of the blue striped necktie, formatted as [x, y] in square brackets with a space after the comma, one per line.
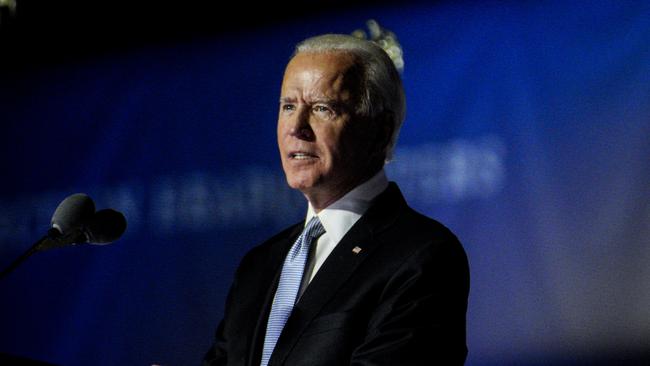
[290, 280]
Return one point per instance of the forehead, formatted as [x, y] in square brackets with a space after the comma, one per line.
[323, 60]
[333, 71]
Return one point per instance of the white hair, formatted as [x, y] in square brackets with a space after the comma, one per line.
[383, 95]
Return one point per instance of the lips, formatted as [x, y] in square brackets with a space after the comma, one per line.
[302, 155]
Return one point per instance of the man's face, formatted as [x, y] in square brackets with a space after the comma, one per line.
[326, 149]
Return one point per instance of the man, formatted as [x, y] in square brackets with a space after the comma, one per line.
[381, 284]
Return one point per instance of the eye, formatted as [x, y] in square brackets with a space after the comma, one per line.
[287, 107]
[323, 111]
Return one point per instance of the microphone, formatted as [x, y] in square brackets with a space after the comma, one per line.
[105, 227]
[75, 222]
[72, 212]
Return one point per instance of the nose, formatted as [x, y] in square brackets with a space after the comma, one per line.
[299, 124]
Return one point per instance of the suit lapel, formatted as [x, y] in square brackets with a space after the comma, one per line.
[339, 266]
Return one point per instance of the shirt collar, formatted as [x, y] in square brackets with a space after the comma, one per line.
[341, 215]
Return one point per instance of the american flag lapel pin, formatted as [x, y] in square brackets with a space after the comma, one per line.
[356, 250]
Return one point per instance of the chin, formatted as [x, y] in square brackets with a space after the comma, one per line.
[301, 183]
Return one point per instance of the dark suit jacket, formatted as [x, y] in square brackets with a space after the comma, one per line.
[401, 300]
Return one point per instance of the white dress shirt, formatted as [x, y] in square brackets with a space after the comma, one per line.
[337, 219]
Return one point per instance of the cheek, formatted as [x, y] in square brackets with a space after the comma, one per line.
[354, 142]
[281, 134]
[332, 144]
[278, 129]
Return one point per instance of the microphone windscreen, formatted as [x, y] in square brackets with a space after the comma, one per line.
[105, 226]
[73, 212]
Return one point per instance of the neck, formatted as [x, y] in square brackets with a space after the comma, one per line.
[323, 198]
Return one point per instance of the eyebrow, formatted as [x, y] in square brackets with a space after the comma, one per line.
[328, 101]
[287, 100]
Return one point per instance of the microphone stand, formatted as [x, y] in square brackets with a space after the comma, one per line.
[53, 239]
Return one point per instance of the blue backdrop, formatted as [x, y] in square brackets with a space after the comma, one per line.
[527, 133]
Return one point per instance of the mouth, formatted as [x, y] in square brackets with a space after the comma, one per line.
[301, 155]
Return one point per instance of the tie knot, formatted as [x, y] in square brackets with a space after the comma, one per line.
[314, 228]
